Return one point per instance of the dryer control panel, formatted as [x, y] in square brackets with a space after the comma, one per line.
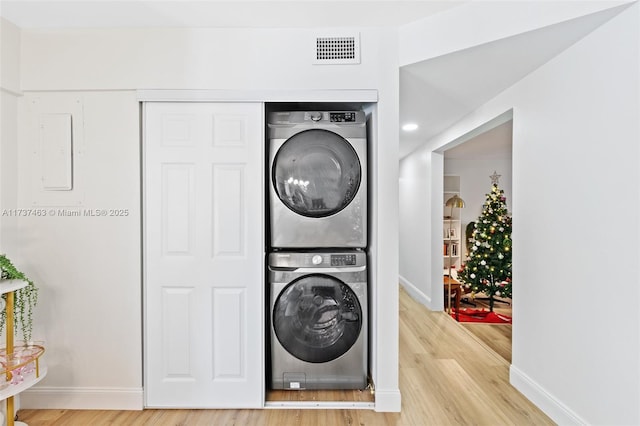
[332, 117]
[292, 118]
[343, 259]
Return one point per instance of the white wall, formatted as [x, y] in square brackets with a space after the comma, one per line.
[575, 149]
[195, 59]
[88, 267]
[576, 135]
[383, 247]
[418, 197]
[9, 56]
[113, 60]
[414, 199]
[9, 94]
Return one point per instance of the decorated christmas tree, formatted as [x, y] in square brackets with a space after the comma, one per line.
[488, 264]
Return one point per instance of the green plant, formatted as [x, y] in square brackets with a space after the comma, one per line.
[25, 299]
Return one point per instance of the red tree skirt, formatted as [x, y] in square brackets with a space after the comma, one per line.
[481, 316]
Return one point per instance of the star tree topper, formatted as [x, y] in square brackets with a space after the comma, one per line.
[495, 177]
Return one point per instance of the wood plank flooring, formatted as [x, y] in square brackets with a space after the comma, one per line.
[496, 336]
[447, 377]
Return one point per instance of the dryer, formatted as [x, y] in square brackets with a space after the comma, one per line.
[318, 320]
[318, 179]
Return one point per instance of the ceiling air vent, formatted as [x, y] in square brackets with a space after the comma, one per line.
[337, 49]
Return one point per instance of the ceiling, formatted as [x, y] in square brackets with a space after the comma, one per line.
[219, 13]
[433, 94]
[438, 92]
[495, 142]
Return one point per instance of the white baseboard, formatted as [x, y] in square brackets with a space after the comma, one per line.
[48, 398]
[82, 398]
[414, 292]
[388, 401]
[549, 404]
[318, 405]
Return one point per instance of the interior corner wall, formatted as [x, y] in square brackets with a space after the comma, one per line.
[575, 151]
[10, 37]
[9, 96]
[8, 173]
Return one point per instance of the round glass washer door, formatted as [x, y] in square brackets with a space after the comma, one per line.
[316, 173]
[317, 318]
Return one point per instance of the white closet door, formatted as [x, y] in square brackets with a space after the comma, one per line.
[203, 234]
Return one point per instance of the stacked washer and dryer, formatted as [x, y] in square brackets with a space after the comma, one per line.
[317, 265]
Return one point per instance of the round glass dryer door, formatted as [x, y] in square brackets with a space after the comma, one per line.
[316, 173]
[317, 318]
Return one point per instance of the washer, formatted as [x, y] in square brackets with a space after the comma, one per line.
[318, 175]
[318, 320]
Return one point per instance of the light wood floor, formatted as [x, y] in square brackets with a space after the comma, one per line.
[496, 336]
[447, 377]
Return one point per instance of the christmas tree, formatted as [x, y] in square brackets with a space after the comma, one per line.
[488, 263]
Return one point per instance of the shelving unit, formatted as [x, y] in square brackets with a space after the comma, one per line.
[451, 238]
[20, 364]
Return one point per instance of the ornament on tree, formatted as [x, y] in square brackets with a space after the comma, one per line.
[488, 266]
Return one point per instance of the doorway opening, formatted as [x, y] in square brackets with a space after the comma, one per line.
[472, 165]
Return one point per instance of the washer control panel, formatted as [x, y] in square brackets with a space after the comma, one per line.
[343, 259]
[317, 259]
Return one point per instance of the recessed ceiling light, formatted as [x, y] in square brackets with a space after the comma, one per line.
[410, 127]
